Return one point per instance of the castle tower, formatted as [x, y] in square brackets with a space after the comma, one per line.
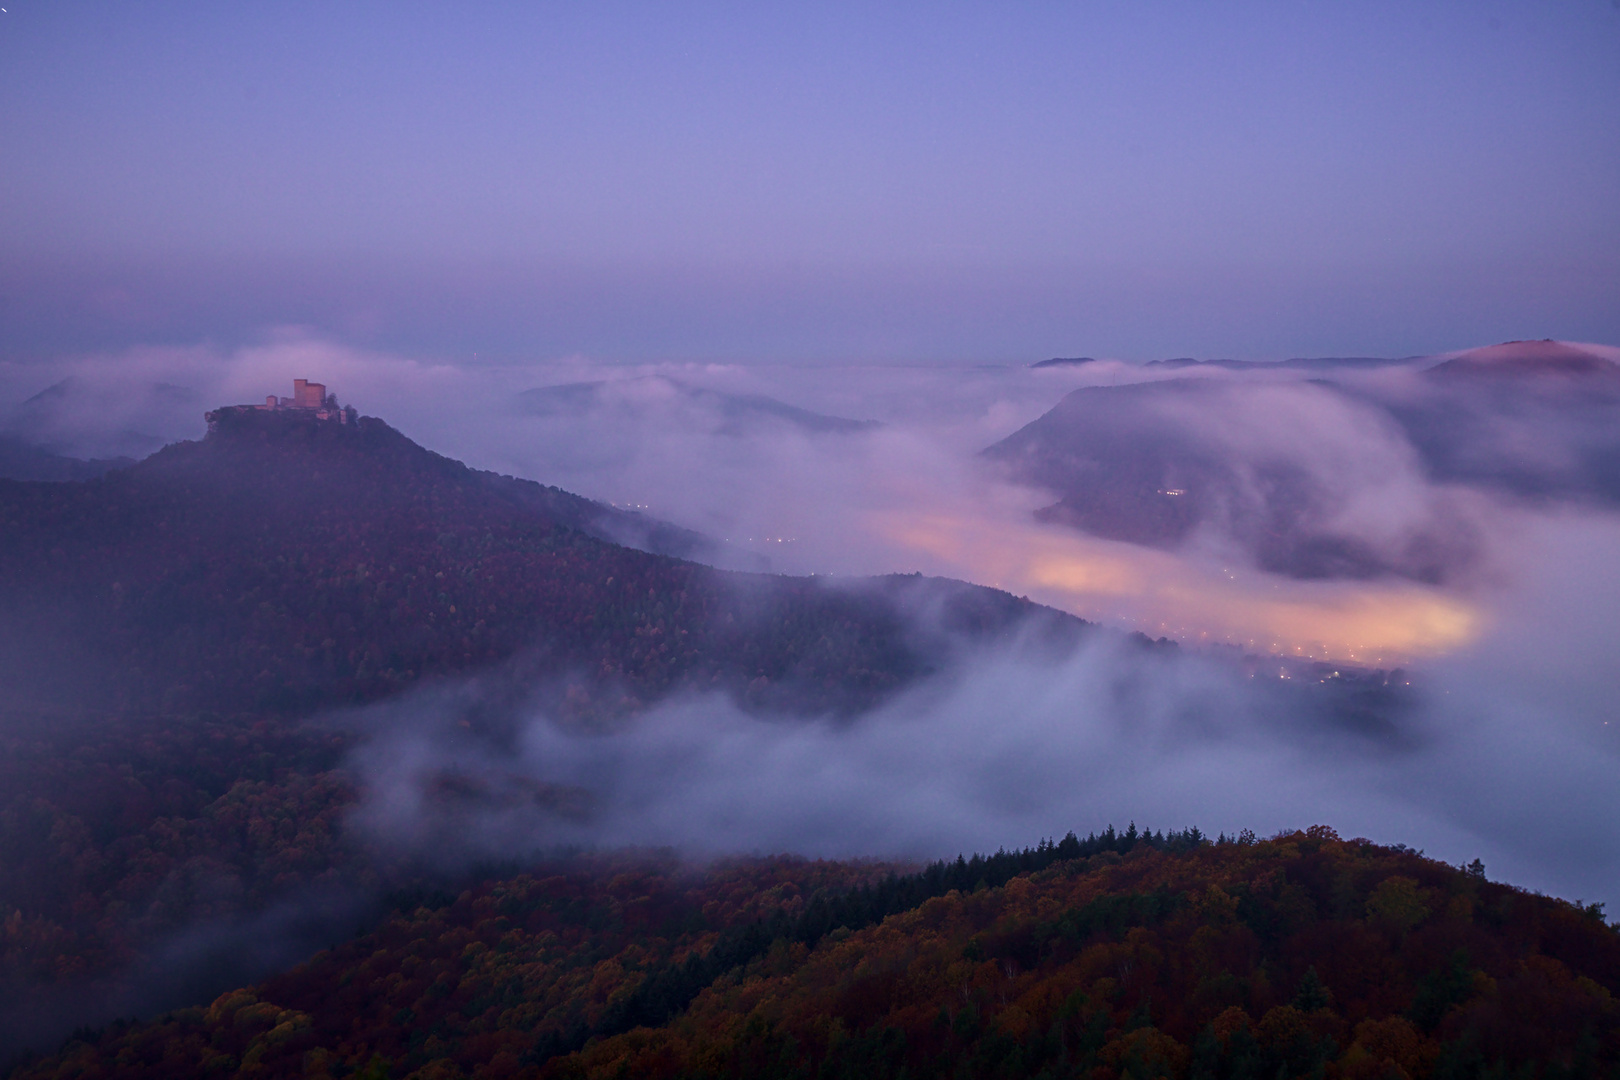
[308, 395]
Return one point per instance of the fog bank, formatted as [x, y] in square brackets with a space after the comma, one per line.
[858, 469]
[1007, 749]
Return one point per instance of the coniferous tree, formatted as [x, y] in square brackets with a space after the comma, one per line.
[1313, 993]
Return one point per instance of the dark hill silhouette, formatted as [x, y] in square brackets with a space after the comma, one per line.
[1148, 463]
[1536, 419]
[1127, 465]
[287, 562]
[1532, 359]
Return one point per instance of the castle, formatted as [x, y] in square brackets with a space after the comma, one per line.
[306, 396]
[309, 395]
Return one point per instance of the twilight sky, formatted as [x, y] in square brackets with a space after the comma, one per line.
[930, 183]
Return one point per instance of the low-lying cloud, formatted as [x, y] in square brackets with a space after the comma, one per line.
[861, 469]
[1012, 746]
[1319, 519]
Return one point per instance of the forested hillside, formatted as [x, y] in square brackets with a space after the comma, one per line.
[1130, 954]
[286, 562]
[167, 629]
[117, 832]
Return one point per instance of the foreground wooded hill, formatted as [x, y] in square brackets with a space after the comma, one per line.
[287, 563]
[1140, 955]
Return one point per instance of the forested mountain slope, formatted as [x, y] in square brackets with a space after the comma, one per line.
[1142, 955]
[165, 628]
[285, 562]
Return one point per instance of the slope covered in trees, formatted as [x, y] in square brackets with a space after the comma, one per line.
[1143, 955]
[162, 629]
[117, 832]
[161, 625]
[285, 562]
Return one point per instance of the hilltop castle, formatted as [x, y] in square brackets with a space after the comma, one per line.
[306, 396]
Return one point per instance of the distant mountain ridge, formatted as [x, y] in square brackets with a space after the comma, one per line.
[1531, 359]
[732, 412]
[1127, 465]
[1299, 363]
[80, 418]
[1154, 462]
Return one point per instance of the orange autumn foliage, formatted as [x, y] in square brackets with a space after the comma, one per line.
[1223, 960]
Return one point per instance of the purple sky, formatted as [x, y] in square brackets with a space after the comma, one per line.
[932, 183]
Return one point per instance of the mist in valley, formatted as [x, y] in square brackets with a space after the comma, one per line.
[1503, 747]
